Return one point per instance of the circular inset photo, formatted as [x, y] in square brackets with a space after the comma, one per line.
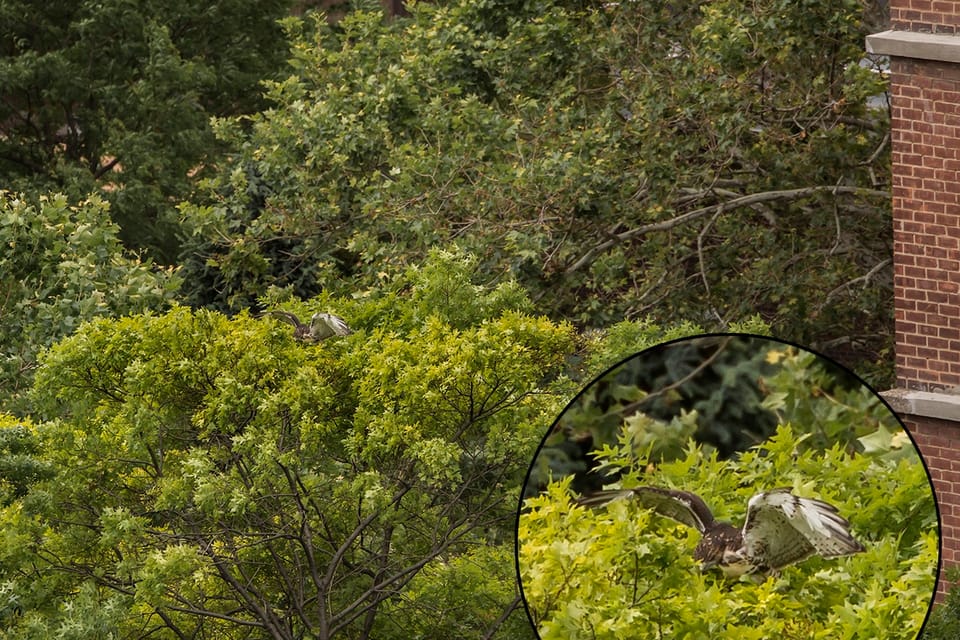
[727, 486]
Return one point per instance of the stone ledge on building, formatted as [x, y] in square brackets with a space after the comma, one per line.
[913, 44]
[942, 405]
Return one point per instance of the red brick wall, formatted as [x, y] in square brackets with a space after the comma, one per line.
[925, 139]
[925, 144]
[939, 442]
[930, 16]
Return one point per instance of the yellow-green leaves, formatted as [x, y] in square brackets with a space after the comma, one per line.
[584, 571]
[62, 264]
[217, 471]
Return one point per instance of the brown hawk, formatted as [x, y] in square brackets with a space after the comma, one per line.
[321, 327]
[780, 528]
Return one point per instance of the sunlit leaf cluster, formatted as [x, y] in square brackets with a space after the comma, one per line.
[61, 265]
[621, 571]
[189, 473]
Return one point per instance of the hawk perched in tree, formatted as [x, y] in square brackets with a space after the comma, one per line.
[780, 529]
[321, 327]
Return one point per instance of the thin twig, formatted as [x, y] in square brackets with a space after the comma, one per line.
[742, 201]
[703, 264]
[865, 279]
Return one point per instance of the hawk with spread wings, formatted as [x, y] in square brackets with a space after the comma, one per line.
[780, 528]
[321, 327]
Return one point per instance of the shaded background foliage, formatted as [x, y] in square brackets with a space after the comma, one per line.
[63, 264]
[718, 377]
[726, 393]
[532, 134]
[618, 160]
[115, 97]
[944, 620]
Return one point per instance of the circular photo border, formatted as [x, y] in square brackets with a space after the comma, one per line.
[727, 485]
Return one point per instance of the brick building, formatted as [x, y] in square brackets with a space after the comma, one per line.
[924, 48]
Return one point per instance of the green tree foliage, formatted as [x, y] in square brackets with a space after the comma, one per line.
[19, 463]
[619, 159]
[944, 622]
[116, 96]
[216, 478]
[727, 392]
[62, 264]
[622, 571]
[719, 377]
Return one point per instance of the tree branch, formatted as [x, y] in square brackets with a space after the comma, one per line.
[703, 264]
[735, 203]
[865, 279]
[503, 618]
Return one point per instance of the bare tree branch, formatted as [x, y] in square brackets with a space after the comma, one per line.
[735, 203]
[703, 264]
[865, 279]
[503, 618]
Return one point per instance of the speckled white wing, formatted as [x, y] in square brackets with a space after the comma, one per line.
[782, 528]
[324, 325]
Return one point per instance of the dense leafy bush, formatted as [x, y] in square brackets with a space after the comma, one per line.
[621, 570]
[64, 266]
[114, 98]
[214, 476]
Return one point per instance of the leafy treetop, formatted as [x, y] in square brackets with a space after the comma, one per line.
[621, 570]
